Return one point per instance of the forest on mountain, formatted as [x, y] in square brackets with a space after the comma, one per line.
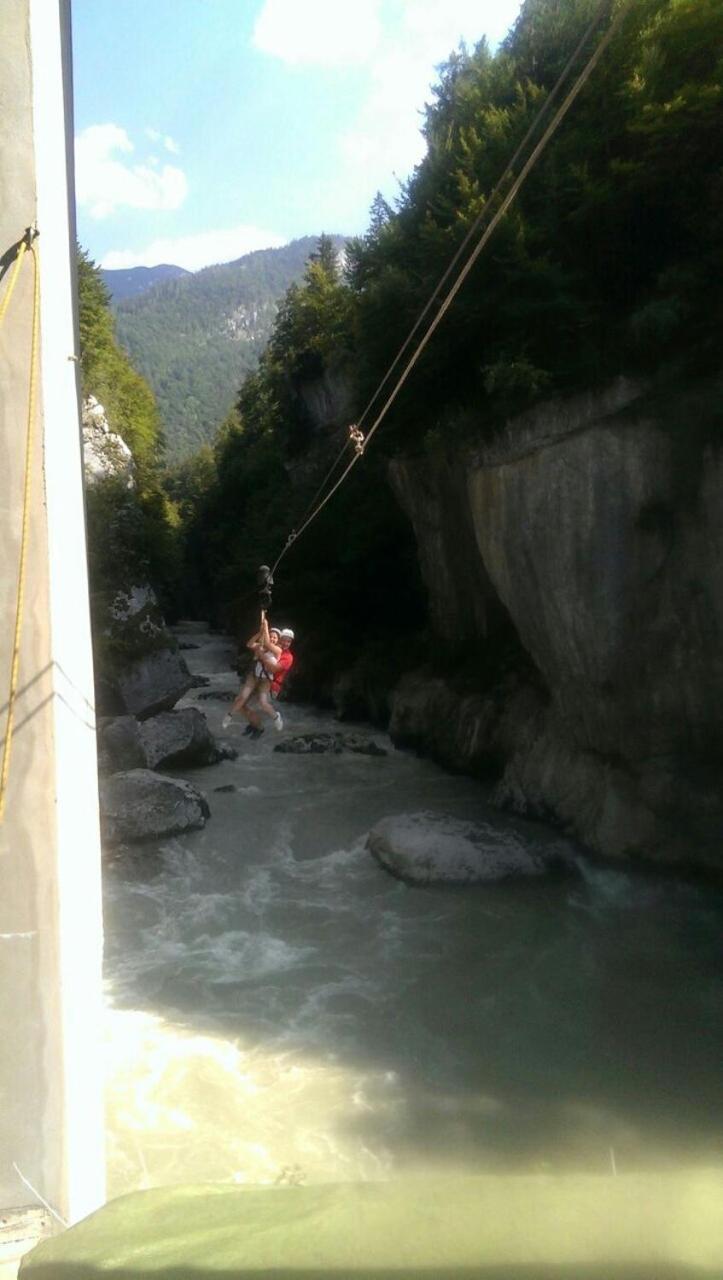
[130, 282]
[195, 337]
[521, 576]
[607, 263]
[132, 529]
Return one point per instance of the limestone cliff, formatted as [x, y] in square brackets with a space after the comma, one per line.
[592, 530]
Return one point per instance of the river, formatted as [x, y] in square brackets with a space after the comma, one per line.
[281, 1010]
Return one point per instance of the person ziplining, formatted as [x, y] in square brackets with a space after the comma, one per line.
[273, 659]
[357, 439]
[438, 304]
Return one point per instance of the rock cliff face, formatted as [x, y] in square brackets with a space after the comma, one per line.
[593, 529]
[105, 453]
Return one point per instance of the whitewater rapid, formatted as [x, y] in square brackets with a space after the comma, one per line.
[280, 1010]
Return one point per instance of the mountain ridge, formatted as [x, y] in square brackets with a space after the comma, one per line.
[196, 336]
[129, 282]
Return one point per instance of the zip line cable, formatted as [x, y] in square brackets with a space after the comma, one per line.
[465, 270]
[25, 244]
[527, 167]
[319, 491]
[461, 248]
[484, 212]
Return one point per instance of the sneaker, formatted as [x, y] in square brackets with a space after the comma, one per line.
[226, 722]
[278, 722]
[255, 733]
[248, 730]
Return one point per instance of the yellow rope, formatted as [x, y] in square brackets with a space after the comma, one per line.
[22, 567]
[22, 247]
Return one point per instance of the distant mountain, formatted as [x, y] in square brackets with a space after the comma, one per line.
[196, 337]
[135, 280]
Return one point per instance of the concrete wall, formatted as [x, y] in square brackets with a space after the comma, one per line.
[50, 916]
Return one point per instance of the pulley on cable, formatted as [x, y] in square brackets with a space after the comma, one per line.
[265, 585]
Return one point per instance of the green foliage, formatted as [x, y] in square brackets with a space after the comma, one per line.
[195, 338]
[132, 534]
[108, 374]
[607, 262]
[610, 257]
[360, 549]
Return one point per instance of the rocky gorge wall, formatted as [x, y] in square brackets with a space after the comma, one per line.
[591, 531]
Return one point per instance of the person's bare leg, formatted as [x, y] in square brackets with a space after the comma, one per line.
[251, 716]
[265, 704]
[240, 700]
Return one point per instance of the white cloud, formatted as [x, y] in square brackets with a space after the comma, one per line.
[104, 182]
[399, 43]
[195, 251]
[165, 140]
[385, 139]
[319, 31]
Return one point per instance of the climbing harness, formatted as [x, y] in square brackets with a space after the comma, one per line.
[24, 245]
[355, 436]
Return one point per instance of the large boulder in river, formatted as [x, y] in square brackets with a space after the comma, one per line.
[120, 741]
[141, 805]
[177, 738]
[154, 683]
[138, 655]
[433, 848]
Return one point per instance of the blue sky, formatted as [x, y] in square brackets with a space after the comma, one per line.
[208, 128]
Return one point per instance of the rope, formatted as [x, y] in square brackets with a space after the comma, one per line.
[25, 244]
[21, 251]
[361, 441]
[526, 169]
[482, 215]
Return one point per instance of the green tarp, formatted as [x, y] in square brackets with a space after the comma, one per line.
[635, 1227]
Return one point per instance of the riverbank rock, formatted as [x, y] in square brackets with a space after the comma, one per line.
[578, 553]
[120, 742]
[173, 739]
[137, 656]
[433, 848]
[154, 683]
[105, 454]
[335, 743]
[141, 805]
[191, 626]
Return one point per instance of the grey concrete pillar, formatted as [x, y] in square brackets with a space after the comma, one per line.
[51, 1113]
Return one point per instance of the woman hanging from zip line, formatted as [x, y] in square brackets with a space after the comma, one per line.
[273, 660]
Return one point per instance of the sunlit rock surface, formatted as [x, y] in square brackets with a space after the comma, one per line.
[597, 529]
[105, 453]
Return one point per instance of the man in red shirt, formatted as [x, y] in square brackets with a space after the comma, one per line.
[280, 667]
[277, 670]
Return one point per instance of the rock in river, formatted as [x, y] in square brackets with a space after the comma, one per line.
[176, 738]
[141, 805]
[433, 848]
[120, 739]
[319, 743]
